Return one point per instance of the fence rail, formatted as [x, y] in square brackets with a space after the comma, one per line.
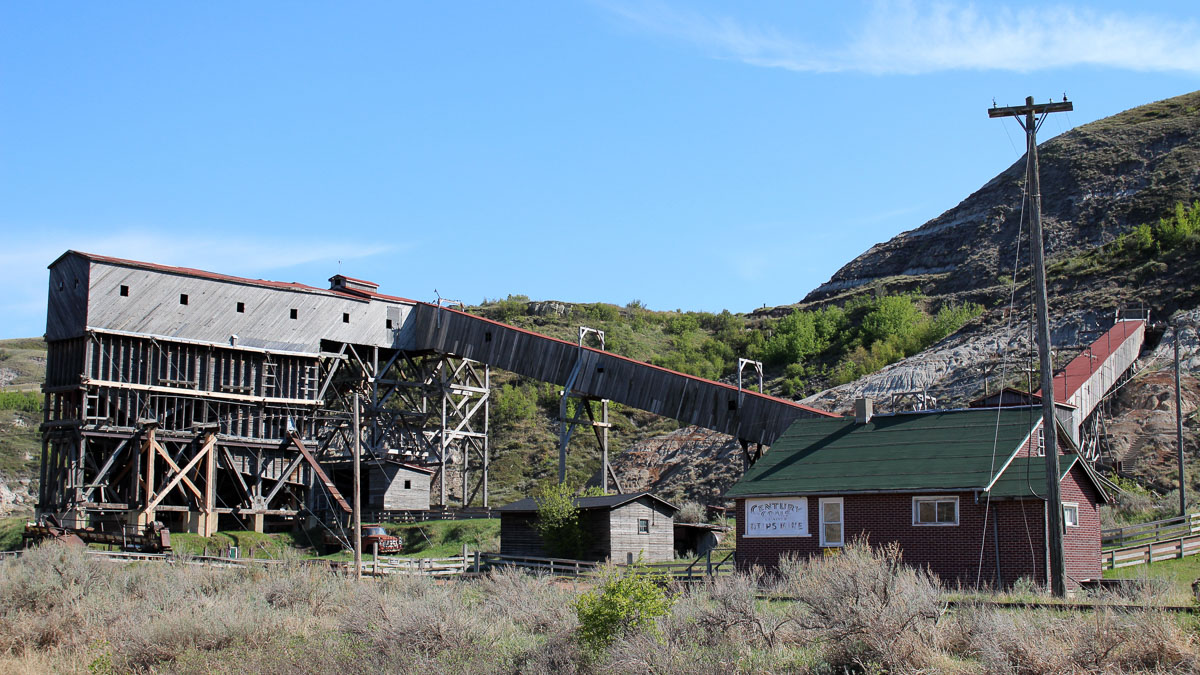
[1158, 530]
[1151, 552]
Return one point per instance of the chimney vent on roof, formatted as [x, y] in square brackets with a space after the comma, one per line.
[864, 409]
[339, 282]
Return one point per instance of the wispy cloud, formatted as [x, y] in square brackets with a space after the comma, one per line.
[904, 38]
[23, 263]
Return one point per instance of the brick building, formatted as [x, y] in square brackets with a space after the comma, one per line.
[960, 491]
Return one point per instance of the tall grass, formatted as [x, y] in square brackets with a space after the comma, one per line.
[863, 611]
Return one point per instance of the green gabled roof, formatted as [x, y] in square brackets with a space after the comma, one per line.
[943, 450]
[1026, 477]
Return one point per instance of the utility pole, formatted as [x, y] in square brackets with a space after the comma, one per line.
[1179, 423]
[357, 492]
[1054, 530]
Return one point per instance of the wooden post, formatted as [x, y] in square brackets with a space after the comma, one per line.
[1179, 426]
[375, 558]
[1057, 562]
[357, 431]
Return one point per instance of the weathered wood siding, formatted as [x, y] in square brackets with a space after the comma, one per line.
[388, 489]
[153, 307]
[67, 303]
[517, 536]
[656, 546]
[692, 400]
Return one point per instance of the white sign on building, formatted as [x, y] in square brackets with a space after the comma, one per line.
[777, 517]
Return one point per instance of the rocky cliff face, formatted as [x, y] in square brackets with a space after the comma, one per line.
[1098, 181]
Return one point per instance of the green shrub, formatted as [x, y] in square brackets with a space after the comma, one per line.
[512, 404]
[624, 601]
[26, 401]
[558, 521]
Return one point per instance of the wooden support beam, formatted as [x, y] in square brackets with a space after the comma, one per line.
[181, 474]
[333, 491]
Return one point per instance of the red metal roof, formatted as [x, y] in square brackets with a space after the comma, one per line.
[1068, 380]
[202, 274]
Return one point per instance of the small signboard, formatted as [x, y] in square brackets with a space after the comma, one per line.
[777, 517]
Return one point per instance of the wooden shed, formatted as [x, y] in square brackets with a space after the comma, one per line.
[618, 527]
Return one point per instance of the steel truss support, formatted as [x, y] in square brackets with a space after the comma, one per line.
[569, 417]
[426, 409]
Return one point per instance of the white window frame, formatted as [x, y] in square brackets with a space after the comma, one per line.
[639, 525]
[916, 510]
[1039, 448]
[1075, 507]
[821, 520]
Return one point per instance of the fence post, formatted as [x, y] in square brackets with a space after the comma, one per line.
[708, 562]
[552, 567]
[464, 562]
[476, 562]
[375, 558]
[1149, 553]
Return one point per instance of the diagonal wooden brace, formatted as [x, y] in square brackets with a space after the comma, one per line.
[333, 491]
[181, 474]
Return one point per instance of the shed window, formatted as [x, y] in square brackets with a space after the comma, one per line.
[935, 510]
[241, 308]
[345, 317]
[389, 324]
[293, 313]
[124, 291]
[643, 526]
[1070, 514]
[408, 485]
[832, 521]
[183, 298]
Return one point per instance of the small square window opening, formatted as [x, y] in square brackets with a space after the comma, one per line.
[389, 324]
[294, 313]
[408, 485]
[124, 291]
[1070, 514]
[643, 526]
[241, 308]
[345, 317]
[183, 298]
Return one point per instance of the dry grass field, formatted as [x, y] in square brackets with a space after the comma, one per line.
[62, 610]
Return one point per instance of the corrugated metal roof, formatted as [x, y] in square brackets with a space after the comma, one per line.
[1071, 378]
[587, 503]
[947, 450]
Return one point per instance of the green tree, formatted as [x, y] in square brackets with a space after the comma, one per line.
[558, 521]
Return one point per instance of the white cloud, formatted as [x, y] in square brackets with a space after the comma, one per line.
[902, 38]
[23, 275]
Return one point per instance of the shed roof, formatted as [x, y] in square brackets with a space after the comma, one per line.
[907, 452]
[588, 503]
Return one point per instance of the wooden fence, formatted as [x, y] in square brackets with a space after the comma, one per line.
[1150, 552]
[700, 568]
[1158, 530]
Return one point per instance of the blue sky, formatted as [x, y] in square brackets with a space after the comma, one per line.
[698, 155]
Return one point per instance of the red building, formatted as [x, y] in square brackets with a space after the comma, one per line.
[961, 491]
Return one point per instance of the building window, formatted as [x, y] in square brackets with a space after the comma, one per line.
[1070, 514]
[935, 510]
[389, 324]
[345, 317]
[124, 291]
[1040, 450]
[830, 510]
[183, 298]
[241, 308]
[643, 526]
[293, 313]
[408, 485]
